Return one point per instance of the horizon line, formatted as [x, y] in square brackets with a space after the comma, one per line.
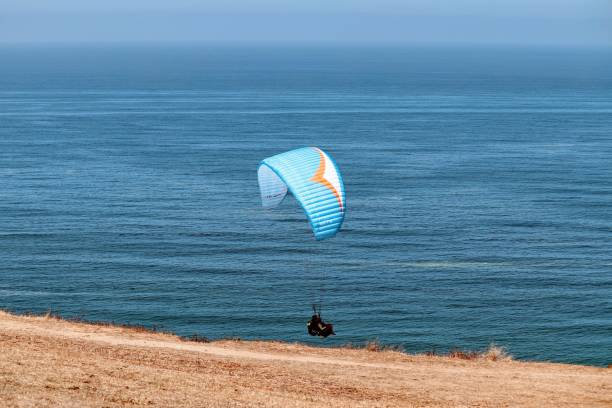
[310, 43]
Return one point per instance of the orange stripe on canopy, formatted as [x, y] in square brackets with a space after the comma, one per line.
[319, 177]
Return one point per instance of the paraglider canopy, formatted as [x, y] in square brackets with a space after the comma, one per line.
[313, 178]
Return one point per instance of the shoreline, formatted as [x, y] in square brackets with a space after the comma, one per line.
[48, 361]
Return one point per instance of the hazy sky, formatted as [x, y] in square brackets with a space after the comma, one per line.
[515, 22]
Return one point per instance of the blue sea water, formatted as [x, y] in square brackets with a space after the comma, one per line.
[479, 193]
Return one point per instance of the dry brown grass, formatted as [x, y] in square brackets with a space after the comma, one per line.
[492, 353]
[48, 362]
[50, 314]
[376, 346]
[495, 353]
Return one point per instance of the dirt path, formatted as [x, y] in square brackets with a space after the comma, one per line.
[50, 362]
[207, 348]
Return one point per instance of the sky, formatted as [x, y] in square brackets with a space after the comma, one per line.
[575, 23]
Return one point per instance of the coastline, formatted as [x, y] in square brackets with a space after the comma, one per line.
[47, 361]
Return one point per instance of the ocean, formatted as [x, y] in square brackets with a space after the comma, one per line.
[478, 182]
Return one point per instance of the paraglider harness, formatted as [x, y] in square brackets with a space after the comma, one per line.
[317, 327]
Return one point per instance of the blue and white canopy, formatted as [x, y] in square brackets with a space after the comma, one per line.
[313, 178]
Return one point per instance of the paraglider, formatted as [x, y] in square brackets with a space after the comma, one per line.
[313, 178]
